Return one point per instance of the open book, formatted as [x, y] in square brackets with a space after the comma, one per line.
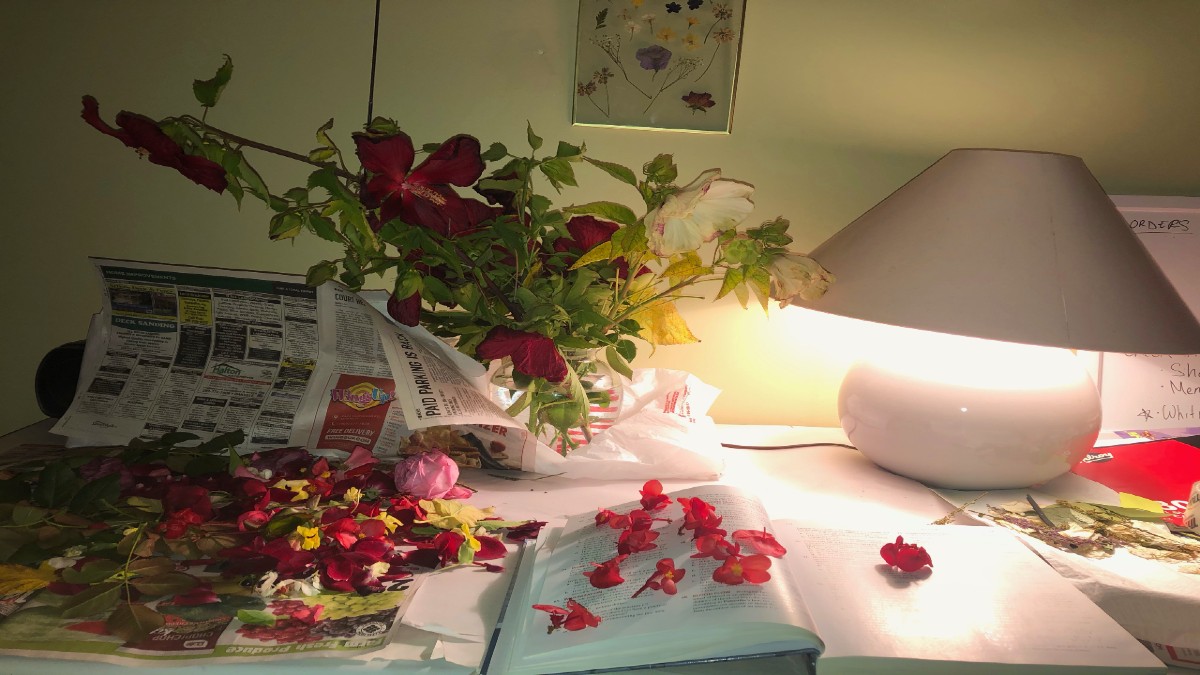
[988, 605]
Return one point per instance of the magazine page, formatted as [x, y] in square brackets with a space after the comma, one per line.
[242, 628]
[704, 618]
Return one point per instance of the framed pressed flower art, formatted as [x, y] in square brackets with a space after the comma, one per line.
[655, 64]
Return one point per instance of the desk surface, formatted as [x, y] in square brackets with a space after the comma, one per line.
[821, 484]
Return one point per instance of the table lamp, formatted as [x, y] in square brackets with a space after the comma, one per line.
[990, 265]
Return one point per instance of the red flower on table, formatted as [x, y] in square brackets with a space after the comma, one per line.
[653, 498]
[664, 578]
[533, 354]
[698, 515]
[736, 569]
[761, 541]
[636, 541]
[906, 557]
[715, 546]
[144, 135]
[423, 196]
[529, 530]
[573, 617]
[608, 573]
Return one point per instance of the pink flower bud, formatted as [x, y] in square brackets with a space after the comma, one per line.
[428, 475]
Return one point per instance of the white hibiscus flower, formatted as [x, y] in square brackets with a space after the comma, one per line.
[797, 276]
[697, 213]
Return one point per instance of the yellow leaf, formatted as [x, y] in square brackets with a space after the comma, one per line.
[601, 251]
[662, 325]
[686, 265]
[20, 579]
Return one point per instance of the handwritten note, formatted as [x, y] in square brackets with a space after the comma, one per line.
[1155, 395]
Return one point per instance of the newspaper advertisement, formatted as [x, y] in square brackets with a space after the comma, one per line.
[241, 628]
[209, 351]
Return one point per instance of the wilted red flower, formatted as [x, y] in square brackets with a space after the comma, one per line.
[715, 546]
[636, 541]
[761, 541]
[573, 617]
[407, 311]
[533, 354]
[663, 578]
[529, 530]
[697, 514]
[607, 574]
[653, 498]
[611, 518]
[143, 134]
[737, 569]
[906, 557]
[424, 196]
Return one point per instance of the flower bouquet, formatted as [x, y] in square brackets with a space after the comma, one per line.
[475, 254]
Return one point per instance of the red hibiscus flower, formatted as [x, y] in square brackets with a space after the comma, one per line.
[607, 574]
[611, 518]
[532, 353]
[407, 311]
[423, 196]
[762, 542]
[906, 557]
[573, 617]
[652, 497]
[736, 569]
[143, 134]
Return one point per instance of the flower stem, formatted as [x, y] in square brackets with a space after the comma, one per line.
[342, 173]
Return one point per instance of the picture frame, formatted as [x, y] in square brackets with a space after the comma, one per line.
[663, 65]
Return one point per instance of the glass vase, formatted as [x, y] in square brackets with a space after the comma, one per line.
[558, 420]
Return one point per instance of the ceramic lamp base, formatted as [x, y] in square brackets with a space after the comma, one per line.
[971, 414]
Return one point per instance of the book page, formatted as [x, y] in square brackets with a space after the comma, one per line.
[705, 616]
[986, 599]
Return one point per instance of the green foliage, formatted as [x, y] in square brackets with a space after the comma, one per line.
[208, 92]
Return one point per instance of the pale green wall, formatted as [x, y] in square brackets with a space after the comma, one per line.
[838, 103]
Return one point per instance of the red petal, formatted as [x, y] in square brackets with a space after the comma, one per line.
[391, 156]
[532, 354]
[491, 548]
[91, 115]
[456, 162]
[406, 311]
[589, 231]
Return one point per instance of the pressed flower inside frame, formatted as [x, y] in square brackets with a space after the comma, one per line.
[671, 68]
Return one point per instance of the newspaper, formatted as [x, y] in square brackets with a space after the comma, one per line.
[208, 351]
[241, 628]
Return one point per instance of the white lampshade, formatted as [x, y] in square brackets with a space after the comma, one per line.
[1003, 245]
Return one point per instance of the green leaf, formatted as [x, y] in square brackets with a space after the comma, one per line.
[601, 17]
[285, 225]
[133, 623]
[320, 273]
[169, 583]
[149, 567]
[535, 141]
[617, 213]
[759, 281]
[321, 154]
[93, 496]
[229, 439]
[618, 363]
[511, 185]
[56, 484]
[559, 172]
[627, 349]
[208, 92]
[282, 524]
[24, 516]
[621, 173]
[323, 227]
[95, 600]
[493, 153]
[256, 617]
[91, 573]
[601, 251]
[298, 195]
[177, 437]
[407, 284]
[567, 151]
[734, 277]
[661, 169]
[437, 290]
